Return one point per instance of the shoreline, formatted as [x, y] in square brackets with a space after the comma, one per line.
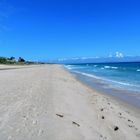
[48, 102]
[129, 108]
[121, 95]
[115, 99]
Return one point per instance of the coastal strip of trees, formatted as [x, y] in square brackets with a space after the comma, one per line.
[13, 60]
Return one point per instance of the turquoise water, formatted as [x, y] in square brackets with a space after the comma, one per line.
[118, 79]
[123, 75]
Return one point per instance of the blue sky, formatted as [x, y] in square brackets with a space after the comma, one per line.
[50, 29]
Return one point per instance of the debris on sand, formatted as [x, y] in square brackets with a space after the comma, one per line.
[102, 109]
[103, 117]
[76, 124]
[120, 113]
[116, 128]
[59, 115]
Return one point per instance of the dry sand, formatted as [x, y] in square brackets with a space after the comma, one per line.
[48, 103]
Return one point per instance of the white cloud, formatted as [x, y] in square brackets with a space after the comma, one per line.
[119, 55]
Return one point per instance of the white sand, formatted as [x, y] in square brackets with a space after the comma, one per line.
[47, 103]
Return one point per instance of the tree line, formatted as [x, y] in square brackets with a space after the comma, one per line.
[12, 60]
[20, 60]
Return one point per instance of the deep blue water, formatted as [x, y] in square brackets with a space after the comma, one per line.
[115, 76]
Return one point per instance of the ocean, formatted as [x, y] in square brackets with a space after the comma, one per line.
[121, 80]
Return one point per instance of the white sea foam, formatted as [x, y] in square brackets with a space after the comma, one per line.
[117, 83]
[86, 74]
[69, 67]
[107, 80]
[114, 67]
[107, 67]
[110, 67]
[72, 67]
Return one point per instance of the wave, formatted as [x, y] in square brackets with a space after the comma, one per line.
[110, 67]
[72, 67]
[138, 70]
[68, 67]
[107, 67]
[107, 80]
[86, 74]
[114, 67]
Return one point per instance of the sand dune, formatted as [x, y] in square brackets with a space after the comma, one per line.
[48, 103]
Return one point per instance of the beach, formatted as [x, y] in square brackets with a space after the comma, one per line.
[46, 102]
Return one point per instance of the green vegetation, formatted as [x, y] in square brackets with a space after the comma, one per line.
[12, 60]
[20, 61]
[3, 60]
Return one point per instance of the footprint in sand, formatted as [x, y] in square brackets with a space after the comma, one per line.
[40, 132]
[9, 138]
[25, 118]
[34, 122]
[130, 121]
[103, 137]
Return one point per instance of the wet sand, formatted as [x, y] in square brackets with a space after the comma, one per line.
[47, 103]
